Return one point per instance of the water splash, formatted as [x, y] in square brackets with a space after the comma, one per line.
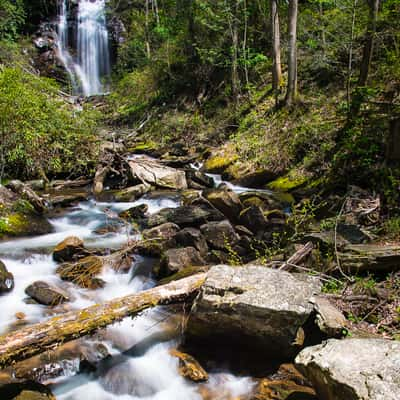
[92, 61]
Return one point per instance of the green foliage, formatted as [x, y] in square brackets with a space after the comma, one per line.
[12, 16]
[40, 133]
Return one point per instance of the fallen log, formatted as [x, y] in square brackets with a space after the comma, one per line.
[298, 257]
[38, 338]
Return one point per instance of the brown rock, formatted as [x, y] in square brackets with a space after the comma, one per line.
[189, 367]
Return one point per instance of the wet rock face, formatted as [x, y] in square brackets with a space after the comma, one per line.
[353, 369]
[46, 294]
[68, 249]
[253, 305]
[174, 260]
[6, 279]
[220, 235]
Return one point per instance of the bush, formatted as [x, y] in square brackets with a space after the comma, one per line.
[40, 133]
[12, 16]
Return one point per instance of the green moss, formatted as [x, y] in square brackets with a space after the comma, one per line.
[183, 273]
[143, 147]
[293, 180]
[221, 160]
[13, 224]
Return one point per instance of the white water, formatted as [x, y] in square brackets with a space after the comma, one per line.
[152, 374]
[91, 65]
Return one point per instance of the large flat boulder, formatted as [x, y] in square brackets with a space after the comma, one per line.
[150, 171]
[254, 305]
[353, 369]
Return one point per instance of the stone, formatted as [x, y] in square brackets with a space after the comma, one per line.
[135, 213]
[191, 237]
[226, 201]
[174, 260]
[163, 232]
[69, 249]
[46, 294]
[83, 272]
[353, 369]
[220, 235]
[185, 216]
[6, 279]
[352, 233]
[199, 180]
[132, 193]
[253, 218]
[328, 318]
[253, 306]
[189, 367]
[148, 170]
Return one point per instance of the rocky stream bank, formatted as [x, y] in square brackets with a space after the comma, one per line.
[265, 324]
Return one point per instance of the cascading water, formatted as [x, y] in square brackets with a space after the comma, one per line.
[92, 62]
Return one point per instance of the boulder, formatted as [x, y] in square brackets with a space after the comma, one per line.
[199, 180]
[148, 170]
[185, 216]
[83, 272]
[253, 306]
[46, 294]
[6, 279]
[189, 367]
[220, 235]
[28, 194]
[135, 213]
[175, 260]
[191, 237]
[328, 318]
[226, 201]
[132, 193]
[69, 249]
[253, 218]
[353, 369]
[164, 232]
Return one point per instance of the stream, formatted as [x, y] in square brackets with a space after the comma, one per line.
[140, 366]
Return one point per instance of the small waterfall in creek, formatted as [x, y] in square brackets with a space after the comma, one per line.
[91, 64]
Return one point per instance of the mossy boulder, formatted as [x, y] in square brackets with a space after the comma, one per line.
[289, 182]
[20, 224]
[132, 193]
[6, 279]
[220, 160]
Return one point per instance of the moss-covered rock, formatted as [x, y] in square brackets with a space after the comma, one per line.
[6, 279]
[189, 367]
[220, 160]
[291, 181]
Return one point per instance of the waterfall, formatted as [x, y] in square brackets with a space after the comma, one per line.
[91, 64]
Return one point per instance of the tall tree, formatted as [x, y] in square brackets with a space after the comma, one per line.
[369, 41]
[291, 92]
[276, 50]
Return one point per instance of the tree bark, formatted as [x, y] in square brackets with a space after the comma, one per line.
[276, 50]
[291, 92]
[38, 338]
[369, 42]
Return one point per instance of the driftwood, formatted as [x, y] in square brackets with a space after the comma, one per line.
[298, 257]
[38, 338]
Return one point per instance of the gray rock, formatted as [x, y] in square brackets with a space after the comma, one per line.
[328, 318]
[175, 260]
[146, 169]
[185, 216]
[135, 213]
[46, 294]
[226, 201]
[70, 248]
[253, 218]
[165, 231]
[353, 369]
[253, 305]
[198, 179]
[132, 193]
[220, 234]
[191, 237]
[6, 279]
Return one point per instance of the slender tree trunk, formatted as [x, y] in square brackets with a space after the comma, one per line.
[369, 42]
[235, 51]
[148, 51]
[350, 59]
[276, 50]
[291, 93]
[323, 34]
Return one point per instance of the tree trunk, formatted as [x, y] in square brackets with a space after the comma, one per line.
[38, 338]
[276, 50]
[291, 92]
[235, 51]
[369, 42]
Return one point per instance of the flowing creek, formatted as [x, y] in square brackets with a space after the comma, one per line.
[141, 366]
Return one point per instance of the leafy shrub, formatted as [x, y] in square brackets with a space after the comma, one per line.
[40, 133]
